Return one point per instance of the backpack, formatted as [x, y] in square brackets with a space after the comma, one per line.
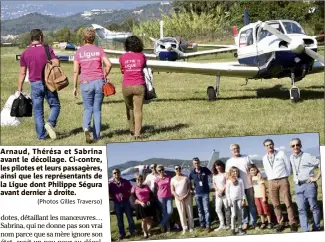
[22, 106]
[54, 77]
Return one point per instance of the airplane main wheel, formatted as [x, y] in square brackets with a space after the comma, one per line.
[211, 94]
[295, 95]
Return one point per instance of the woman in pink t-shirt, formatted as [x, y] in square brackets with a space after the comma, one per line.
[143, 207]
[89, 59]
[164, 194]
[132, 64]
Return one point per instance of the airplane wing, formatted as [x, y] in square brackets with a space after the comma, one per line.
[208, 52]
[216, 46]
[233, 69]
[121, 52]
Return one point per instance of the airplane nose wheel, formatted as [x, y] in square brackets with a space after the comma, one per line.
[294, 91]
[212, 94]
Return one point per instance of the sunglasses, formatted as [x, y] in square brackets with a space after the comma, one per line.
[116, 173]
[295, 145]
[160, 170]
[177, 169]
[268, 145]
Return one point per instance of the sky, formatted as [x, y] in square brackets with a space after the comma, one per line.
[119, 153]
[93, 4]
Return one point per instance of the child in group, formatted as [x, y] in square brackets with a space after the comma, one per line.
[235, 193]
[262, 205]
[219, 183]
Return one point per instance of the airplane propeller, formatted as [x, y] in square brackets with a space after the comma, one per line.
[296, 46]
[167, 46]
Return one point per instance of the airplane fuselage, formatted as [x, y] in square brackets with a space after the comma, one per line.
[257, 47]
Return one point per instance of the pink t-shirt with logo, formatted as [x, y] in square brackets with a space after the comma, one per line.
[90, 61]
[163, 185]
[142, 193]
[132, 65]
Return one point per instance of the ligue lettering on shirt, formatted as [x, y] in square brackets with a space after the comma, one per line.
[88, 54]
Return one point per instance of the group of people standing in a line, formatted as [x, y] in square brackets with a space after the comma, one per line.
[88, 64]
[240, 193]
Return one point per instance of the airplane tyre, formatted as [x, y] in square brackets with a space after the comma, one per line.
[295, 95]
[211, 94]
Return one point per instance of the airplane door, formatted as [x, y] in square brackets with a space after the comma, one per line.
[247, 47]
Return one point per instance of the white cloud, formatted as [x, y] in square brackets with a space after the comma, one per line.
[280, 148]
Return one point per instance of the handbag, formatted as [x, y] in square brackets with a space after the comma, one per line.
[22, 106]
[108, 89]
[150, 92]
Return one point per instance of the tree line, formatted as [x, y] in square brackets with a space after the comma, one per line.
[205, 19]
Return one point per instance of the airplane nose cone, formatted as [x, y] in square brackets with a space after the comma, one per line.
[297, 46]
[168, 46]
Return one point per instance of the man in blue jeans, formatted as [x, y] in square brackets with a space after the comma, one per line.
[200, 176]
[34, 59]
[120, 192]
[303, 167]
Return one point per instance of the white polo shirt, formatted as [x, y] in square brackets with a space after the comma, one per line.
[150, 181]
[277, 165]
[241, 163]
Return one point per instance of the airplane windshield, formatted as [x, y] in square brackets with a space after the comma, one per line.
[168, 40]
[263, 33]
[100, 33]
[293, 28]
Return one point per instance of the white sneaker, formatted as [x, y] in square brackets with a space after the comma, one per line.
[50, 130]
[184, 231]
[87, 136]
[191, 230]
[220, 228]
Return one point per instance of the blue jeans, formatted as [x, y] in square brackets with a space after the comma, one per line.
[120, 208]
[307, 194]
[166, 205]
[38, 93]
[250, 209]
[92, 97]
[202, 203]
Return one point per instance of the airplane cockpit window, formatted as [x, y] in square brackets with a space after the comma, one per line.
[246, 38]
[293, 28]
[263, 33]
[100, 33]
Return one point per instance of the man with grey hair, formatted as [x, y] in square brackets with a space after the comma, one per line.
[241, 162]
[303, 166]
[277, 168]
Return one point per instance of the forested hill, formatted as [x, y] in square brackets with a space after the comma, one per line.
[47, 22]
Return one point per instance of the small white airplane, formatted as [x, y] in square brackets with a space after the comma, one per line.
[175, 48]
[110, 36]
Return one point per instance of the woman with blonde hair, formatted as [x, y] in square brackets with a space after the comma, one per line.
[143, 206]
[88, 61]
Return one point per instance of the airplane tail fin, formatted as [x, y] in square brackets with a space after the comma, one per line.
[246, 16]
[235, 33]
[214, 157]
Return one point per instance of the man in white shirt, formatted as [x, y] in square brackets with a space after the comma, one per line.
[242, 162]
[277, 168]
[303, 166]
[150, 181]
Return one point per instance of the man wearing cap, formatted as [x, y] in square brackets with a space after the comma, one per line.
[277, 168]
[303, 166]
[150, 181]
[241, 162]
[200, 177]
[120, 191]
